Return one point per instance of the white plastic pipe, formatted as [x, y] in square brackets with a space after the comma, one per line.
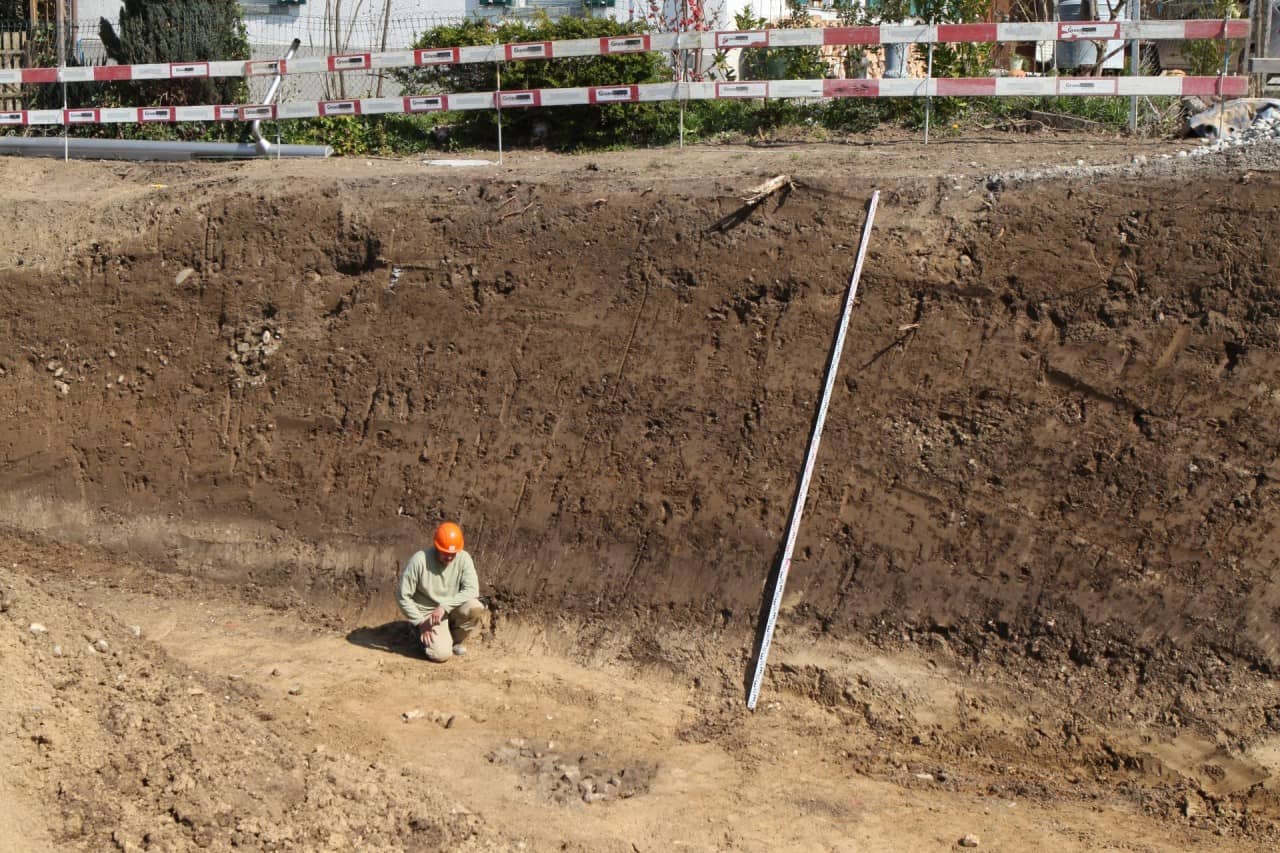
[119, 149]
[263, 146]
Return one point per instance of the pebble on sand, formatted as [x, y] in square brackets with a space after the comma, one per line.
[970, 840]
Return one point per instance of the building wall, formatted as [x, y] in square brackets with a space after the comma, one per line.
[92, 10]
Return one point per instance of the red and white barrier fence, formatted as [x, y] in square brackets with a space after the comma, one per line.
[642, 43]
[648, 93]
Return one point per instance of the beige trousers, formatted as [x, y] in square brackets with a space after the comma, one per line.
[453, 631]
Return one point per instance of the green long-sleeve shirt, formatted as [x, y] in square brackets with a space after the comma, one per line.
[426, 584]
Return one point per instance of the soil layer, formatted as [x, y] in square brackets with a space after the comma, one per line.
[1051, 454]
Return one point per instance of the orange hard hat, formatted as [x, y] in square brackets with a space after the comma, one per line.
[449, 538]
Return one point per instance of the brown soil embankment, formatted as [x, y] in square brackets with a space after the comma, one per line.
[1055, 428]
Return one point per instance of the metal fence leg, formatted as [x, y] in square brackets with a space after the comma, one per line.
[1135, 69]
[928, 97]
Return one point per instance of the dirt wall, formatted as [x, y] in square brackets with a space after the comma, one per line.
[1055, 423]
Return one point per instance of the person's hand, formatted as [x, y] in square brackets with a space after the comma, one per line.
[437, 616]
[425, 629]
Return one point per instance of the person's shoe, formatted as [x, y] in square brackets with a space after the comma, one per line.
[459, 650]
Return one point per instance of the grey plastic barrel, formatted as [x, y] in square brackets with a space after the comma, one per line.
[1073, 54]
[895, 60]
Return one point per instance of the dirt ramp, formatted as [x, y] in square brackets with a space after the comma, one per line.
[1054, 428]
[127, 749]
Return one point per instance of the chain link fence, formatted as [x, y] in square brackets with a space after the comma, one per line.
[25, 44]
[31, 44]
[268, 36]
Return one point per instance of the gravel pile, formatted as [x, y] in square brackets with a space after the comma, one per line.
[1265, 127]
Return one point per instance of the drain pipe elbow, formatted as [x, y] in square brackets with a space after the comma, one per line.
[260, 142]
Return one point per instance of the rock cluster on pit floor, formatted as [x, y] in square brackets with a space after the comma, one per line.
[1263, 127]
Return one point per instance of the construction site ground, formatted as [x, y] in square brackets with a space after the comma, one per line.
[1034, 601]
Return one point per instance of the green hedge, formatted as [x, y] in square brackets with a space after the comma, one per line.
[561, 127]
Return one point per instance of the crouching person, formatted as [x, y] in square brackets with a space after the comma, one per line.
[440, 595]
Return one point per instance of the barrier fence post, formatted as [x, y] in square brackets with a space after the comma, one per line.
[1265, 49]
[497, 102]
[1222, 75]
[62, 62]
[1135, 65]
[1056, 19]
[1266, 35]
[1248, 45]
[928, 96]
[683, 65]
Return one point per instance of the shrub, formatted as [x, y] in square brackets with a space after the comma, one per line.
[559, 127]
[178, 31]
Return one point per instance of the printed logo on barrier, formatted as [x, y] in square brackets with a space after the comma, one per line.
[527, 98]
[190, 69]
[12, 118]
[742, 90]
[226, 113]
[624, 44]
[156, 114]
[82, 116]
[436, 56]
[432, 104]
[349, 62]
[613, 94]
[1086, 86]
[1090, 30]
[257, 113]
[746, 38]
[339, 108]
[260, 67]
[529, 50]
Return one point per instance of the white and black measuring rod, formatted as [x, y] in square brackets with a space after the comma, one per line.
[793, 526]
